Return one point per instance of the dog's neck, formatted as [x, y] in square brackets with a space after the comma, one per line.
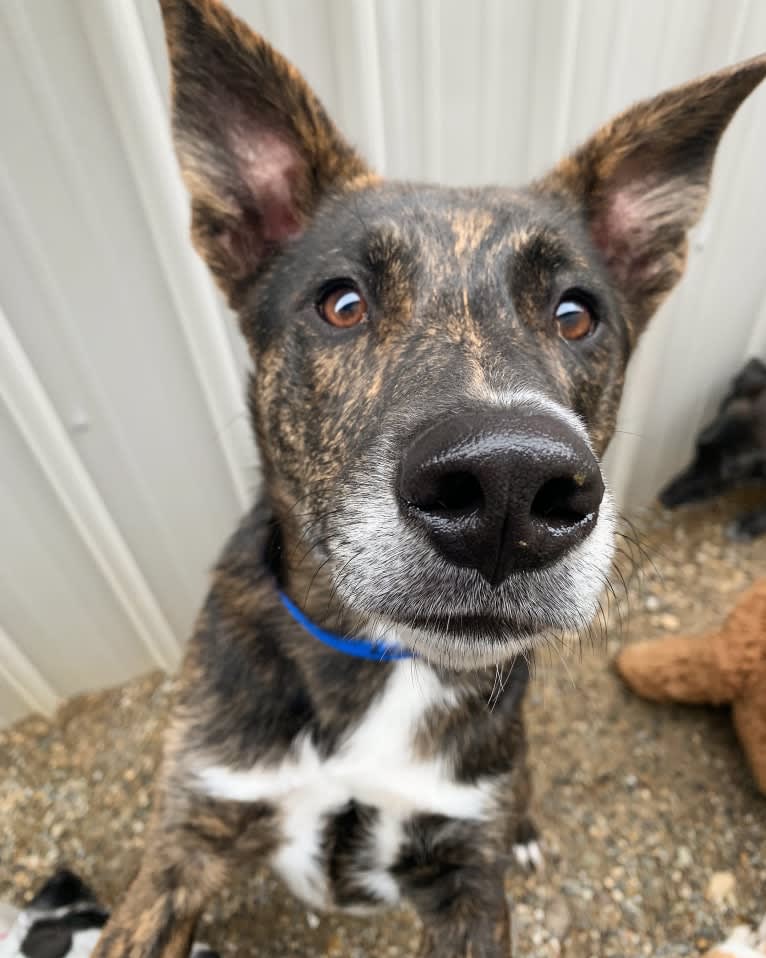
[302, 573]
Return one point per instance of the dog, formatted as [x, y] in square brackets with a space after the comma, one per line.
[63, 920]
[438, 371]
[729, 453]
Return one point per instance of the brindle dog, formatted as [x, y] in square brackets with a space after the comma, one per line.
[438, 371]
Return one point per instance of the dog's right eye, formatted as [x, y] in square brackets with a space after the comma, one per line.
[343, 306]
[574, 318]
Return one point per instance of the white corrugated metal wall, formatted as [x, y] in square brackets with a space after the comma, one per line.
[125, 456]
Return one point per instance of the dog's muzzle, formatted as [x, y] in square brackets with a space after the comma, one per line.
[501, 490]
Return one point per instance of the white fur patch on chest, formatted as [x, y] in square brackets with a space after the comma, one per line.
[374, 765]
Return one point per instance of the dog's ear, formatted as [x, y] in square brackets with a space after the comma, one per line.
[642, 180]
[750, 381]
[256, 148]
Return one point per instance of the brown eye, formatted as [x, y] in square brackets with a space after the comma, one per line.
[575, 320]
[344, 306]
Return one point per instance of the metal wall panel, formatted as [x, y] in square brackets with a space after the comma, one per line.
[124, 447]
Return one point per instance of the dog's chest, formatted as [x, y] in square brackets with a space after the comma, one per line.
[361, 796]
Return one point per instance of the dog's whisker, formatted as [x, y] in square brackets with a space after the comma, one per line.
[638, 540]
[559, 649]
[313, 579]
[494, 684]
[338, 580]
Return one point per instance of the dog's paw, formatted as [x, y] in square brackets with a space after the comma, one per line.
[527, 849]
[529, 856]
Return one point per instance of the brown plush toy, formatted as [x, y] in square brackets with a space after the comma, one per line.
[724, 666]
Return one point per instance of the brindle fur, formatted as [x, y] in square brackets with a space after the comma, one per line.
[461, 286]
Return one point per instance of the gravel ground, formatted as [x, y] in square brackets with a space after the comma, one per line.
[655, 836]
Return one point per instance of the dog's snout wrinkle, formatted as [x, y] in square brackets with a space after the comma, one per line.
[501, 490]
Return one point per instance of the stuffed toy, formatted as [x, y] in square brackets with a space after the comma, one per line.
[724, 666]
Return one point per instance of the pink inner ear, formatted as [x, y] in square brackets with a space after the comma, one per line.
[620, 223]
[270, 171]
[627, 227]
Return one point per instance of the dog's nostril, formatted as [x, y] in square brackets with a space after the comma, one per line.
[459, 492]
[453, 493]
[556, 503]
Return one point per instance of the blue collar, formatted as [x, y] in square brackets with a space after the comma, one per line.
[373, 651]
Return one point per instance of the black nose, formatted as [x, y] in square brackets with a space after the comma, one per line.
[501, 490]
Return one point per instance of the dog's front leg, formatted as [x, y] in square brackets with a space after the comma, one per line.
[453, 874]
[158, 916]
[189, 847]
[470, 926]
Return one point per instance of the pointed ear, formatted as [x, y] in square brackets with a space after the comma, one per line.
[642, 180]
[256, 149]
[750, 381]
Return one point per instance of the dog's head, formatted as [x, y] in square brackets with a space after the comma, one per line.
[438, 370]
[731, 450]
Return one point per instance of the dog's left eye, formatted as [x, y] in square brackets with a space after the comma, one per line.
[575, 320]
[343, 306]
